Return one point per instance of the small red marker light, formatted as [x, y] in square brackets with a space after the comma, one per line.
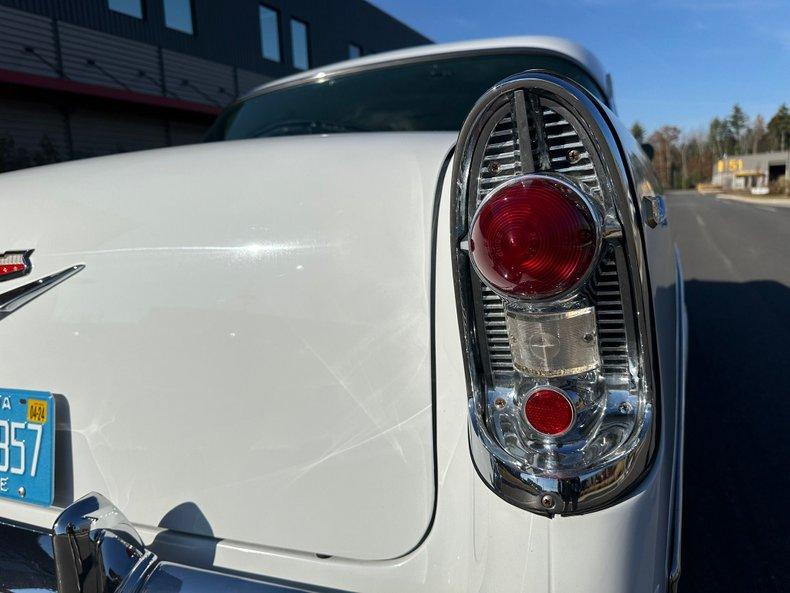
[549, 411]
[12, 269]
[14, 264]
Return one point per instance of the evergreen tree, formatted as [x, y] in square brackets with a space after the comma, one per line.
[720, 136]
[779, 128]
[737, 123]
[638, 132]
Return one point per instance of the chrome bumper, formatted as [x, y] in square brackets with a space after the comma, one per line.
[96, 550]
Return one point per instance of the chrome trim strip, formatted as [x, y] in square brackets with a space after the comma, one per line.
[522, 128]
[169, 577]
[680, 431]
[97, 550]
[505, 475]
[15, 299]
[354, 68]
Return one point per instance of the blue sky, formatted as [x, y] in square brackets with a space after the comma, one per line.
[675, 62]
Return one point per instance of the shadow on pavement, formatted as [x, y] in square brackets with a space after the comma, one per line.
[736, 535]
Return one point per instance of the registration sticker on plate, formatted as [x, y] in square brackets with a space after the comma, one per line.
[27, 446]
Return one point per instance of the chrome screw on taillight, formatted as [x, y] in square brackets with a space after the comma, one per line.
[547, 501]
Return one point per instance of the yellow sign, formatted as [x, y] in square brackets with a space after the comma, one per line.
[732, 165]
[37, 411]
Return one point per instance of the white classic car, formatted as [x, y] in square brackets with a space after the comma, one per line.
[410, 323]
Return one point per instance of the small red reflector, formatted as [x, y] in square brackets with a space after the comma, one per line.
[549, 411]
[11, 269]
[14, 264]
[533, 239]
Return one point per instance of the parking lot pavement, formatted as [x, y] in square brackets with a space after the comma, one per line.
[736, 255]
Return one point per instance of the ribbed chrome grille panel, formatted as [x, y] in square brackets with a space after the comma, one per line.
[499, 355]
[561, 139]
[551, 147]
[612, 337]
[501, 161]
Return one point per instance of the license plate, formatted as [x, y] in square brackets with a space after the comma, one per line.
[27, 446]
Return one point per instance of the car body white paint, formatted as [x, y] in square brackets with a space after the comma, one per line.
[477, 542]
[247, 352]
[134, 221]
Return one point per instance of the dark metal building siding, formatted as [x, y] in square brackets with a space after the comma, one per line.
[198, 80]
[78, 79]
[186, 133]
[32, 129]
[228, 31]
[333, 25]
[97, 132]
[30, 124]
[249, 80]
[107, 60]
[27, 43]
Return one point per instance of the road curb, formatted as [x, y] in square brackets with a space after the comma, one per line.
[781, 202]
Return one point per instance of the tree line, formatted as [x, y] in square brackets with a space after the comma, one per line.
[684, 159]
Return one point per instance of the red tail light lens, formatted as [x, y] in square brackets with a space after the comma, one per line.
[549, 411]
[534, 238]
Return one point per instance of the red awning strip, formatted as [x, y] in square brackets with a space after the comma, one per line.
[80, 88]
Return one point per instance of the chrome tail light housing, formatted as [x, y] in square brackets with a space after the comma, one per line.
[553, 299]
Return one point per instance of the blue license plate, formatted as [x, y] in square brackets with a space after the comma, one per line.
[27, 446]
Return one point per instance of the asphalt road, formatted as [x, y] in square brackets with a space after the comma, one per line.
[736, 257]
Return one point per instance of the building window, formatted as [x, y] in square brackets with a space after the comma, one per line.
[178, 15]
[354, 51]
[300, 45]
[128, 7]
[270, 33]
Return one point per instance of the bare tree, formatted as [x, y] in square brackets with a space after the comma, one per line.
[757, 133]
[664, 140]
